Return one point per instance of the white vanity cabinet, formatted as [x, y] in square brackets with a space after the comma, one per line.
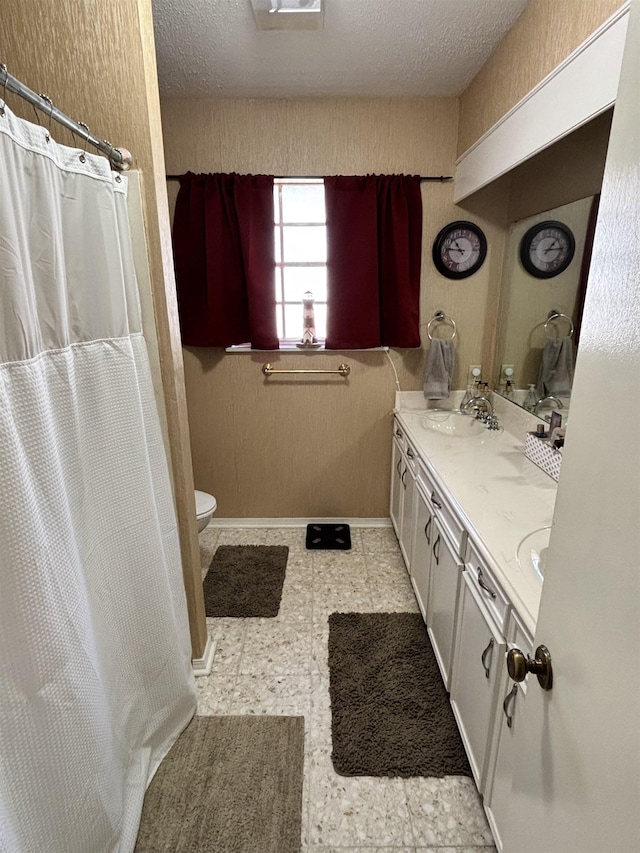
[397, 460]
[403, 492]
[459, 585]
[422, 544]
[446, 568]
[479, 665]
[510, 697]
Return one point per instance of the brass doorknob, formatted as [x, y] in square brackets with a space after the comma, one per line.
[519, 665]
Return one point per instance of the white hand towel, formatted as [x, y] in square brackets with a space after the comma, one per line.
[439, 369]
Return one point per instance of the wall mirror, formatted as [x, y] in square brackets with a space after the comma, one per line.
[541, 316]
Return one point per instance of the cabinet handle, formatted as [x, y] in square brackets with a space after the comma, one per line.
[398, 466]
[436, 550]
[404, 473]
[511, 695]
[435, 501]
[410, 453]
[486, 588]
[483, 658]
[399, 433]
[427, 530]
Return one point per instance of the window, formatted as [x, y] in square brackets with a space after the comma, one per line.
[301, 254]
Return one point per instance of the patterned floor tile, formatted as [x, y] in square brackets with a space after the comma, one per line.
[447, 811]
[276, 648]
[242, 536]
[379, 539]
[279, 666]
[355, 811]
[229, 635]
[213, 694]
[279, 695]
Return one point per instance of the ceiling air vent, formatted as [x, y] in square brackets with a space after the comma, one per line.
[288, 14]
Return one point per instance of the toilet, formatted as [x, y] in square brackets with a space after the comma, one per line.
[205, 507]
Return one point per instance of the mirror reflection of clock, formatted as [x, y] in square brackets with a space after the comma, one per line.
[547, 249]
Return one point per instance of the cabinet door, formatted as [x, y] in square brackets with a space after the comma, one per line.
[395, 510]
[498, 800]
[407, 523]
[480, 651]
[421, 560]
[443, 597]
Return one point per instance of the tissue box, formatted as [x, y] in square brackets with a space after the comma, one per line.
[543, 455]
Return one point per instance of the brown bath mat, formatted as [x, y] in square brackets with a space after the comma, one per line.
[229, 785]
[390, 713]
[245, 580]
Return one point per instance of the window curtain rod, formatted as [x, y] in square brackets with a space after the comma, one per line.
[423, 178]
[120, 158]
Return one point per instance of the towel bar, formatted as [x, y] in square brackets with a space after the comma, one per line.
[268, 370]
[441, 317]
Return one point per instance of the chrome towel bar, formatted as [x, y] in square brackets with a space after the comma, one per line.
[268, 370]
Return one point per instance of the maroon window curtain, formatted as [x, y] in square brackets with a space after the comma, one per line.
[224, 258]
[374, 245]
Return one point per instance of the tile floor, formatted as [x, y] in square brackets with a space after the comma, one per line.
[279, 666]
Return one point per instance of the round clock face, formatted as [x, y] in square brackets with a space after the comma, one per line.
[547, 249]
[459, 249]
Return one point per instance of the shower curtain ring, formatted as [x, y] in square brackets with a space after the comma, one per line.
[3, 68]
[50, 102]
[86, 139]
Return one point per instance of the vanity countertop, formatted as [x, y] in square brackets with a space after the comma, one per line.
[500, 495]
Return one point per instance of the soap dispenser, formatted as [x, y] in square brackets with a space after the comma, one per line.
[531, 399]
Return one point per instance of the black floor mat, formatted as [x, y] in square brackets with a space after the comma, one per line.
[328, 537]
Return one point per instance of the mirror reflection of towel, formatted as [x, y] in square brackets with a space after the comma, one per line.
[556, 368]
[439, 369]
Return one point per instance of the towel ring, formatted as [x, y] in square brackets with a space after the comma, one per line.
[441, 317]
[557, 315]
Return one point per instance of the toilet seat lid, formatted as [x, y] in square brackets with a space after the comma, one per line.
[204, 503]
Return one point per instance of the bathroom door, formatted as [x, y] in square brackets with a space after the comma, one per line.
[576, 785]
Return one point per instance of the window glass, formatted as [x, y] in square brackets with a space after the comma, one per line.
[302, 203]
[300, 238]
[298, 280]
[304, 244]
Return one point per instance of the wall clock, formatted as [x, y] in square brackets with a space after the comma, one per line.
[459, 249]
[547, 249]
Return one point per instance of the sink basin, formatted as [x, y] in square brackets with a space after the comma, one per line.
[452, 424]
[532, 551]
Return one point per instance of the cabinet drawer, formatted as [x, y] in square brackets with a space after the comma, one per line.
[409, 452]
[488, 588]
[443, 510]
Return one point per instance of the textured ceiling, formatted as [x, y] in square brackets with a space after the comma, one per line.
[373, 48]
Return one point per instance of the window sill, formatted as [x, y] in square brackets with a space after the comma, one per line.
[290, 347]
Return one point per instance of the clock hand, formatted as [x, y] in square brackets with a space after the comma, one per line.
[552, 247]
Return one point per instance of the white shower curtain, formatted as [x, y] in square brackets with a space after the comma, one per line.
[95, 674]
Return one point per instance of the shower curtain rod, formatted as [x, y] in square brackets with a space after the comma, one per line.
[423, 178]
[119, 157]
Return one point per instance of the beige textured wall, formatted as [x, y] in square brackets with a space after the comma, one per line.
[298, 448]
[97, 62]
[544, 35]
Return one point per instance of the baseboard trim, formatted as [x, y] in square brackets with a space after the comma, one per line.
[202, 666]
[297, 522]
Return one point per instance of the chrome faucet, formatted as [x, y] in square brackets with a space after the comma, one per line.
[542, 400]
[475, 403]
